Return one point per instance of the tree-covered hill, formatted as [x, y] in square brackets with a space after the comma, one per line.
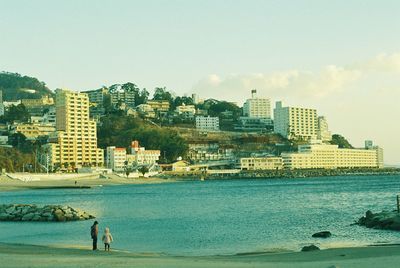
[16, 86]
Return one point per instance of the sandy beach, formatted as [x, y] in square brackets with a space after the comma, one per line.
[8, 184]
[13, 255]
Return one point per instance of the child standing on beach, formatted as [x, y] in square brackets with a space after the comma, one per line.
[107, 239]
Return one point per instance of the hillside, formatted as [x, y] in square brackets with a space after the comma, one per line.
[16, 86]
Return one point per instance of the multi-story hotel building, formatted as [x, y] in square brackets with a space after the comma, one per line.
[257, 107]
[330, 156]
[159, 106]
[75, 141]
[261, 163]
[207, 123]
[293, 122]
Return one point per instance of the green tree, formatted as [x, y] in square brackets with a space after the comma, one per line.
[15, 113]
[341, 141]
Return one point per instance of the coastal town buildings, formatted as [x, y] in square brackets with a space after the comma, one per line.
[75, 141]
[294, 122]
[120, 96]
[207, 123]
[261, 163]
[115, 158]
[97, 98]
[146, 110]
[326, 156]
[189, 110]
[159, 106]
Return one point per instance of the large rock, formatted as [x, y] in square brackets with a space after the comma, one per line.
[28, 217]
[382, 220]
[323, 234]
[310, 248]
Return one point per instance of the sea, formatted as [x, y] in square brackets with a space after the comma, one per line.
[216, 217]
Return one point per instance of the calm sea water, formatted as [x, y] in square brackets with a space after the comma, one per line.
[215, 217]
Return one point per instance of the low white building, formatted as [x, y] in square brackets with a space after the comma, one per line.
[207, 123]
[314, 156]
[115, 158]
[261, 163]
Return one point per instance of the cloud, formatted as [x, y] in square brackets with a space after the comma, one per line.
[294, 82]
[324, 83]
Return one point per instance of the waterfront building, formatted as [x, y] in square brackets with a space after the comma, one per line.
[294, 122]
[206, 152]
[257, 107]
[261, 163]
[75, 141]
[115, 158]
[139, 156]
[207, 123]
[323, 132]
[324, 156]
[33, 130]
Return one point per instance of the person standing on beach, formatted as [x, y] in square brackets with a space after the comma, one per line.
[94, 231]
[107, 239]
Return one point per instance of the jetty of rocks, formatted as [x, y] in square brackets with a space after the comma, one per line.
[389, 220]
[54, 213]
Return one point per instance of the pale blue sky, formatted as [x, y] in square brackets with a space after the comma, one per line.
[315, 53]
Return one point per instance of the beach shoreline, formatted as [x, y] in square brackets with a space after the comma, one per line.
[21, 255]
[9, 184]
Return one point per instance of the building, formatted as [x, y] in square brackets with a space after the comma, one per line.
[207, 123]
[146, 110]
[254, 124]
[323, 132]
[120, 96]
[97, 98]
[293, 122]
[139, 156]
[190, 110]
[324, 156]
[257, 107]
[206, 152]
[33, 131]
[75, 141]
[38, 106]
[261, 163]
[159, 106]
[115, 158]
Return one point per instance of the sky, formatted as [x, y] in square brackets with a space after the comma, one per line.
[340, 57]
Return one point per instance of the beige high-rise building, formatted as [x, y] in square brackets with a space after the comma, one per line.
[75, 141]
[293, 122]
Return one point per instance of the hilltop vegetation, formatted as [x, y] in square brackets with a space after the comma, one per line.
[341, 141]
[119, 130]
[12, 159]
[16, 86]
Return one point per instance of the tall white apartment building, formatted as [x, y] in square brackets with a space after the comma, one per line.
[257, 107]
[207, 123]
[75, 141]
[325, 156]
[323, 132]
[115, 158]
[293, 122]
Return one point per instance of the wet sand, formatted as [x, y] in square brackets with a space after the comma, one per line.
[13, 255]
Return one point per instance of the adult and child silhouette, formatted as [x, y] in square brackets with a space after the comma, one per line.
[106, 238]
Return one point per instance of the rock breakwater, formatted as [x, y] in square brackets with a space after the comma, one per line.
[54, 213]
[389, 220]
